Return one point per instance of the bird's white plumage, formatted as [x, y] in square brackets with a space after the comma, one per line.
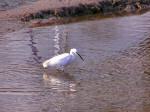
[61, 60]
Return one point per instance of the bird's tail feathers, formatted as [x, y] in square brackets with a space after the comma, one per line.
[45, 64]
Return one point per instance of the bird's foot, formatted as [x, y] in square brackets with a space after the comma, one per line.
[60, 69]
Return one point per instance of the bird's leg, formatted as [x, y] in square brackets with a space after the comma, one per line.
[60, 68]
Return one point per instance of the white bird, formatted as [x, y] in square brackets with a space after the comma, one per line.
[62, 60]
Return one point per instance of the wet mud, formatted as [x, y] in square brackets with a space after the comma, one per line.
[94, 7]
[10, 4]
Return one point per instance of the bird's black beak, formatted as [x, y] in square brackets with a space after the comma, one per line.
[80, 57]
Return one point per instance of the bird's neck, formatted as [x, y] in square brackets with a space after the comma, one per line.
[73, 55]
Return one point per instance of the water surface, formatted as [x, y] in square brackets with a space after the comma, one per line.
[113, 78]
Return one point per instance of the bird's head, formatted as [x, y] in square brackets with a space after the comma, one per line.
[74, 51]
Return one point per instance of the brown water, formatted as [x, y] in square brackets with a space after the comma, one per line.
[113, 78]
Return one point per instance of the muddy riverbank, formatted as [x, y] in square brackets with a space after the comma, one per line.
[40, 13]
[61, 8]
[71, 9]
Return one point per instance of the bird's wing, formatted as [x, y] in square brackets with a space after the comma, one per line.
[60, 60]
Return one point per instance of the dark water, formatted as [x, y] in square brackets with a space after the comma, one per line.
[113, 78]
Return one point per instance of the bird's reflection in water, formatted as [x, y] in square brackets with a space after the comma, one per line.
[59, 81]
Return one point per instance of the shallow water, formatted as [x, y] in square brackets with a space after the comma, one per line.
[113, 78]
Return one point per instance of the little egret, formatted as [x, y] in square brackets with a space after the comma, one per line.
[62, 60]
